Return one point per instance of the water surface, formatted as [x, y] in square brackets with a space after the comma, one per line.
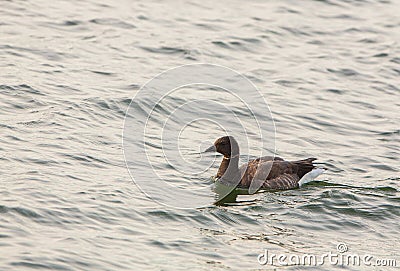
[329, 71]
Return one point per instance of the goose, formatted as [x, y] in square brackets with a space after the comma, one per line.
[264, 173]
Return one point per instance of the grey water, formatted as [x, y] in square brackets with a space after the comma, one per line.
[329, 71]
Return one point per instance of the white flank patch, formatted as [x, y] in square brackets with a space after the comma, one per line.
[310, 176]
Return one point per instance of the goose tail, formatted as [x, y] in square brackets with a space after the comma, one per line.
[310, 176]
[308, 171]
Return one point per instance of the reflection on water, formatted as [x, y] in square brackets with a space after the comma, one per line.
[328, 70]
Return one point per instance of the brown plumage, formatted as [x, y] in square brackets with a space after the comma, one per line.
[270, 173]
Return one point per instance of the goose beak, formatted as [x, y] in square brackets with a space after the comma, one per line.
[211, 149]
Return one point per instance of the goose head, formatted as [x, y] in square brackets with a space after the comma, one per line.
[226, 145]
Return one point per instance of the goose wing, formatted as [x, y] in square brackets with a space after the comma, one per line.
[282, 182]
[274, 174]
